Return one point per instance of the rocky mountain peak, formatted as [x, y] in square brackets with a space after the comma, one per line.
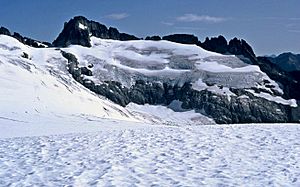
[240, 47]
[217, 44]
[234, 46]
[79, 29]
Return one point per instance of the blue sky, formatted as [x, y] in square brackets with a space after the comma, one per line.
[270, 26]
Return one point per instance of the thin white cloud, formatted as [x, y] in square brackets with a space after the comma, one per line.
[294, 19]
[294, 31]
[117, 16]
[277, 18]
[167, 23]
[200, 18]
[290, 25]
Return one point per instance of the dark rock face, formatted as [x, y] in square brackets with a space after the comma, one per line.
[287, 61]
[241, 47]
[145, 92]
[154, 38]
[86, 71]
[73, 34]
[25, 55]
[4, 31]
[79, 29]
[72, 66]
[126, 37]
[222, 110]
[24, 40]
[182, 38]
[247, 109]
[112, 90]
[235, 46]
[28, 41]
[218, 44]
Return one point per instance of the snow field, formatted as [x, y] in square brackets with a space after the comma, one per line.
[237, 155]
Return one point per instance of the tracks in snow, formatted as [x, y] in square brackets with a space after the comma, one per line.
[156, 156]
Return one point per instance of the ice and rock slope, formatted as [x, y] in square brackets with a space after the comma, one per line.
[38, 96]
[36, 85]
[223, 87]
[165, 61]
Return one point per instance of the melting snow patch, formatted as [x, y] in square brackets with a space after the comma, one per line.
[81, 26]
[277, 99]
[167, 116]
[200, 85]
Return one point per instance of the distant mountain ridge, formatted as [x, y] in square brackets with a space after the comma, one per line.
[287, 61]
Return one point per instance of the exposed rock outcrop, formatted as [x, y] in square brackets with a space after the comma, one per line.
[4, 31]
[182, 38]
[154, 38]
[216, 44]
[235, 46]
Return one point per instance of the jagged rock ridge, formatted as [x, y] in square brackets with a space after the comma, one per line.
[79, 30]
[24, 40]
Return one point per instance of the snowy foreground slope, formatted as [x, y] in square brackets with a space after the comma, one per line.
[231, 155]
